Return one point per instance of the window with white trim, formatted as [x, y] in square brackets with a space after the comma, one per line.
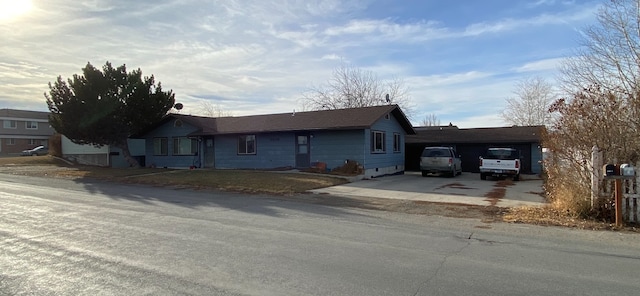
[10, 124]
[378, 142]
[11, 141]
[396, 142]
[247, 144]
[160, 146]
[34, 142]
[185, 146]
[31, 124]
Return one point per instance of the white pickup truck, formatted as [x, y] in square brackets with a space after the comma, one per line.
[500, 162]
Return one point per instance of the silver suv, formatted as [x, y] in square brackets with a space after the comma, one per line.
[442, 160]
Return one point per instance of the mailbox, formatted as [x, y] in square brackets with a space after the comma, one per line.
[609, 170]
[627, 170]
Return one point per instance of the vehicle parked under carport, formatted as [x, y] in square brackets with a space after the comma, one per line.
[441, 160]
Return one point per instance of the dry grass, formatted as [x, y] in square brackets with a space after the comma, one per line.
[30, 160]
[239, 181]
[550, 216]
[247, 181]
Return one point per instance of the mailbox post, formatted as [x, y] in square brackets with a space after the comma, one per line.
[614, 172]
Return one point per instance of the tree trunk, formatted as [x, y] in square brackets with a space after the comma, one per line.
[127, 155]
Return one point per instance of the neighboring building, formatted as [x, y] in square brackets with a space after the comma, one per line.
[372, 136]
[106, 156]
[21, 130]
[471, 143]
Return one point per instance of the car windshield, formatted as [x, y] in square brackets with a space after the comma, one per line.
[436, 152]
[502, 153]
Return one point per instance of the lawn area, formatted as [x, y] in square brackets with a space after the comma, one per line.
[248, 181]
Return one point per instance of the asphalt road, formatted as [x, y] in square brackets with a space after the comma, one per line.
[73, 238]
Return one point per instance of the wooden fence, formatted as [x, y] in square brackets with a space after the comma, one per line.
[604, 189]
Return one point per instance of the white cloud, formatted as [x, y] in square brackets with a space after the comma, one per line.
[256, 57]
[541, 65]
[487, 120]
[96, 6]
[449, 79]
[331, 57]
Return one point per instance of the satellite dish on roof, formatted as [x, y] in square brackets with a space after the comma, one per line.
[178, 106]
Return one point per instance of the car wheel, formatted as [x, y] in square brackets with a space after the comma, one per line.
[483, 176]
[516, 177]
[424, 173]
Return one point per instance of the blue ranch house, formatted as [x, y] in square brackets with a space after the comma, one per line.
[374, 137]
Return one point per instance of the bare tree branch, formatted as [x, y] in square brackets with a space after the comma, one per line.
[207, 108]
[609, 56]
[351, 87]
[530, 106]
[430, 120]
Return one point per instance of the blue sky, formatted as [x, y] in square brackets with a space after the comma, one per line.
[460, 59]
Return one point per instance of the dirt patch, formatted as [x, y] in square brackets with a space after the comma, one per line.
[486, 214]
[498, 192]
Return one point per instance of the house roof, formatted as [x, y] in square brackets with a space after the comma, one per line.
[455, 135]
[352, 118]
[23, 114]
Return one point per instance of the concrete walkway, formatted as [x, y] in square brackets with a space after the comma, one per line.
[464, 189]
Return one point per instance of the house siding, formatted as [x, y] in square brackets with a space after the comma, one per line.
[137, 149]
[170, 131]
[84, 154]
[387, 162]
[335, 147]
[273, 150]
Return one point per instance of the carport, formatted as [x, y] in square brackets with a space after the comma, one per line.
[471, 143]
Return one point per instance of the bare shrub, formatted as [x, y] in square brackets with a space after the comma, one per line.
[350, 167]
[592, 117]
[55, 145]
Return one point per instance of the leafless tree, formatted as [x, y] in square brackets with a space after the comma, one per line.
[530, 105]
[207, 108]
[430, 120]
[603, 105]
[609, 55]
[351, 87]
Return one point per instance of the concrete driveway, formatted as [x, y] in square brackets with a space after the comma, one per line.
[464, 189]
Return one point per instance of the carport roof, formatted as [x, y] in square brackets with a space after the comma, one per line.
[455, 135]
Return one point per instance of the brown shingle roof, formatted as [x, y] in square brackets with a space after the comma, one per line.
[514, 134]
[353, 118]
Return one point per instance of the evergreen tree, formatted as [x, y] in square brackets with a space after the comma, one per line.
[106, 107]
